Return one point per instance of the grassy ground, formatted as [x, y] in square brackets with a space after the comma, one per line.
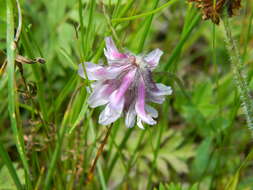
[50, 137]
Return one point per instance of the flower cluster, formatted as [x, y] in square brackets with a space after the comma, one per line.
[213, 11]
[125, 86]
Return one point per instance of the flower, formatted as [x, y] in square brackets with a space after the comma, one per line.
[125, 86]
[213, 12]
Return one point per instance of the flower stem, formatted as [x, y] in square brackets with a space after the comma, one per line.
[239, 74]
[99, 152]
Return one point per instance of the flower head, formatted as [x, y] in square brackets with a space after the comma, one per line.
[213, 11]
[125, 86]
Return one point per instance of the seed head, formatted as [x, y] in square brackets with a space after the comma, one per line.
[213, 11]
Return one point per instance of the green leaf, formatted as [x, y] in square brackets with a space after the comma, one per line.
[232, 185]
[6, 182]
[201, 161]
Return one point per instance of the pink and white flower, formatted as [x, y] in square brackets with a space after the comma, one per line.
[125, 86]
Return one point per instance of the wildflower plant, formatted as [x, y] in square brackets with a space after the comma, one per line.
[49, 139]
[125, 86]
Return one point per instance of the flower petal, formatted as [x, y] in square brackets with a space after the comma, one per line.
[126, 82]
[152, 111]
[93, 71]
[100, 95]
[111, 112]
[162, 90]
[139, 123]
[156, 99]
[140, 104]
[153, 58]
[111, 51]
[130, 117]
[98, 72]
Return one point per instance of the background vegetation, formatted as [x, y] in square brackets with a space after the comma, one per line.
[49, 136]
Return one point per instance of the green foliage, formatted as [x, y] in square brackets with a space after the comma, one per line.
[201, 141]
[6, 182]
[173, 186]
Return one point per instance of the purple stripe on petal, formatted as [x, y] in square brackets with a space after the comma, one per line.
[111, 52]
[140, 104]
[153, 58]
[126, 82]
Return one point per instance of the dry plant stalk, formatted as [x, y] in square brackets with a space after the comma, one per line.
[99, 152]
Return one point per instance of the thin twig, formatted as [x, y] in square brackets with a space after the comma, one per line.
[99, 152]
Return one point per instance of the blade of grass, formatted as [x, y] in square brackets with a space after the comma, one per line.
[60, 137]
[116, 155]
[247, 37]
[98, 165]
[88, 33]
[80, 116]
[233, 182]
[171, 2]
[120, 12]
[68, 58]
[37, 72]
[133, 157]
[155, 155]
[147, 25]
[70, 115]
[176, 52]
[6, 159]
[67, 89]
[215, 64]
[80, 14]
[12, 97]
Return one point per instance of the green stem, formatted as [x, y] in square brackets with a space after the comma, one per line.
[88, 33]
[59, 142]
[116, 156]
[176, 52]
[12, 97]
[145, 14]
[239, 74]
[156, 152]
[80, 14]
[148, 22]
[247, 37]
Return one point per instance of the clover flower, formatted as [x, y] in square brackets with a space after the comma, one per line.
[213, 12]
[125, 86]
